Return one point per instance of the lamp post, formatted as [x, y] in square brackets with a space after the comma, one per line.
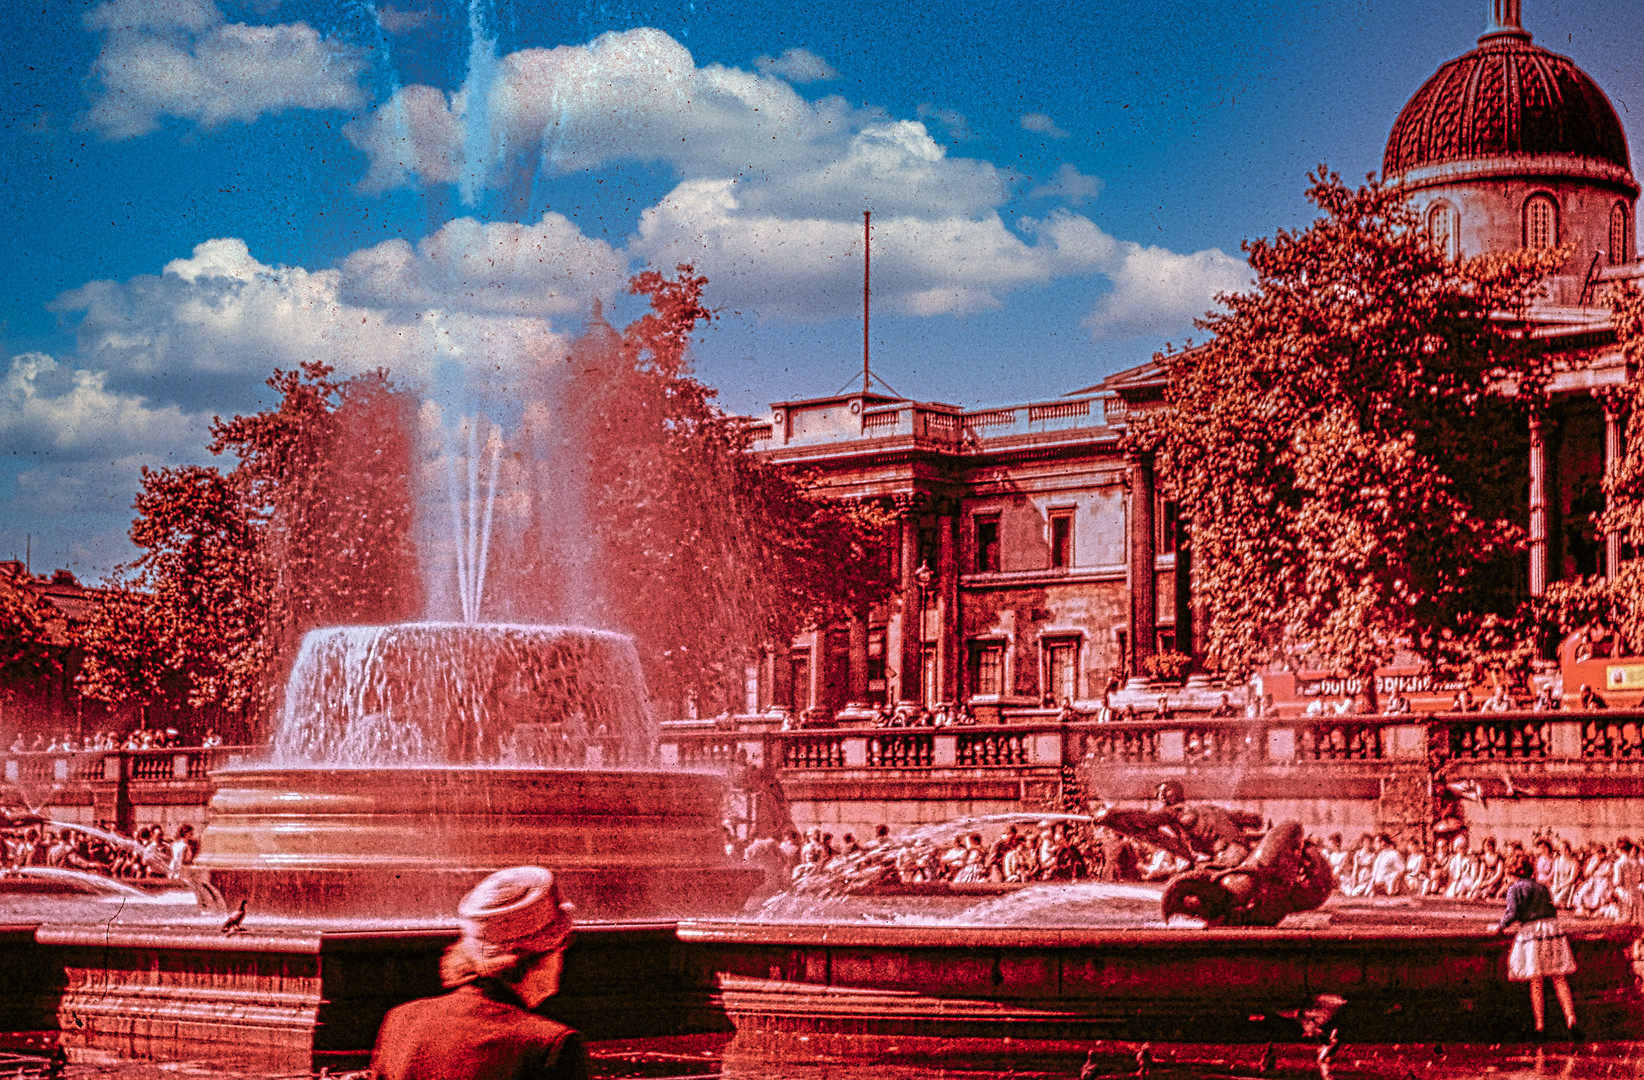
[924, 576]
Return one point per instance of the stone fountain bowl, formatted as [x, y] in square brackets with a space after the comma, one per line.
[404, 844]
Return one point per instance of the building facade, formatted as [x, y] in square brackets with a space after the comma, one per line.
[1036, 561]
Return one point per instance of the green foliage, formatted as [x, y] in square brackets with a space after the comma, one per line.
[34, 638]
[1349, 447]
[1168, 666]
[311, 528]
[704, 551]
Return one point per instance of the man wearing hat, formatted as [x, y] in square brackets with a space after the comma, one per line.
[508, 961]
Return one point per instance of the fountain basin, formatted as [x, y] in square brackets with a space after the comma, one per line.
[404, 844]
[798, 992]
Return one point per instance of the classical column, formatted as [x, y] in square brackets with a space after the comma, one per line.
[1613, 449]
[911, 653]
[1538, 507]
[946, 591]
[858, 689]
[1144, 583]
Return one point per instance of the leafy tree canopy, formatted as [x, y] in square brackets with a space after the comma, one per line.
[1349, 448]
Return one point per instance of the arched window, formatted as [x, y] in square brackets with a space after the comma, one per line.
[1540, 222]
[1620, 250]
[1442, 229]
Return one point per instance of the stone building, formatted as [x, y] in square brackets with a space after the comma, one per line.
[1035, 561]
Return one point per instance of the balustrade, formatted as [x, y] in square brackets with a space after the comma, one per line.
[902, 750]
[998, 747]
[813, 752]
[703, 752]
[1611, 737]
[1128, 744]
[1286, 741]
[1224, 744]
[1339, 741]
[1481, 735]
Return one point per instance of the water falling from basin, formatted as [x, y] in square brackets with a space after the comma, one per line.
[413, 759]
[429, 694]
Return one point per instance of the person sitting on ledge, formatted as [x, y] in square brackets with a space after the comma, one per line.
[1590, 699]
[507, 962]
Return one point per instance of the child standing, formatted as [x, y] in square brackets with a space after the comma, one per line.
[1540, 949]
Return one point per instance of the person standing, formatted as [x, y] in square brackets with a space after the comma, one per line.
[507, 962]
[1540, 949]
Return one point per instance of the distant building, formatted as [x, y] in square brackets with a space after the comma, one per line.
[1035, 561]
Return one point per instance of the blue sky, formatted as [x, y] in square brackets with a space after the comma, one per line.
[196, 193]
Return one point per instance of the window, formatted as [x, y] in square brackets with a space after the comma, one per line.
[1442, 229]
[876, 660]
[1540, 222]
[1061, 668]
[1620, 252]
[1169, 519]
[1061, 539]
[799, 674]
[987, 543]
[987, 668]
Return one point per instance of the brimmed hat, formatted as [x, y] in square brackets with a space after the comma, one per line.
[516, 911]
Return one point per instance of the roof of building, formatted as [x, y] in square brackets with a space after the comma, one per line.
[1507, 98]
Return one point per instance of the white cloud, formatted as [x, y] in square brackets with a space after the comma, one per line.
[1070, 185]
[797, 66]
[221, 318]
[1159, 291]
[545, 269]
[639, 96]
[44, 403]
[182, 58]
[810, 268]
[1041, 124]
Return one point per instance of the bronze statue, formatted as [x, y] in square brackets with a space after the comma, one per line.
[1230, 884]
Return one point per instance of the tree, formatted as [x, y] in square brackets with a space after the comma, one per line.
[35, 638]
[691, 543]
[1614, 603]
[1349, 447]
[186, 618]
[311, 528]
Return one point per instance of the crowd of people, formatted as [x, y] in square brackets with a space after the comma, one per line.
[137, 739]
[146, 853]
[1593, 879]
[1050, 850]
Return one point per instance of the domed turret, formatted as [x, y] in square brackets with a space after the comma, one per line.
[1512, 145]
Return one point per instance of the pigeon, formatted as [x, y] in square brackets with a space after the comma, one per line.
[235, 923]
[1471, 790]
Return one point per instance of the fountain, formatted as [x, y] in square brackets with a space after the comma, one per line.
[412, 760]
